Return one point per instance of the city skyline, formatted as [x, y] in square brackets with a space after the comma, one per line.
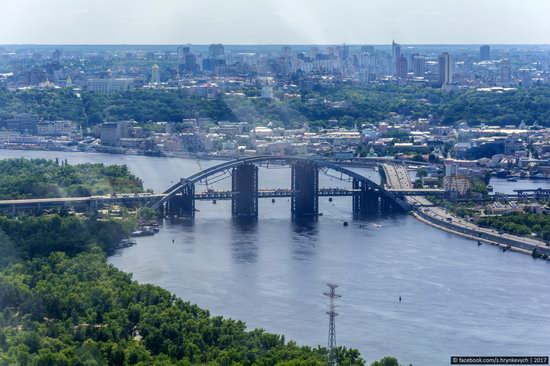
[243, 22]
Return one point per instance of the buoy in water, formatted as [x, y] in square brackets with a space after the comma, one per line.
[345, 223]
[273, 200]
[214, 202]
[330, 199]
[399, 298]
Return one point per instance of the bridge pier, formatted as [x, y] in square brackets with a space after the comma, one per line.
[305, 189]
[366, 201]
[386, 205]
[181, 204]
[244, 203]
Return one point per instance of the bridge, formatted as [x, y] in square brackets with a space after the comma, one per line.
[368, 196]
[80, 203]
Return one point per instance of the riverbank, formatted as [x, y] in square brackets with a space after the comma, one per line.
[488, 236]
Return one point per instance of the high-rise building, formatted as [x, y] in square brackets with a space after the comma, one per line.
[189, 64]
[395, 52]
[56, 55]
[182, 51]
[367, 49]
[344, 52]
[445, 71]
[485, 53]
[506, 72]
[419, 65]
[286, 51]
[216, 50]
[401, 67]
[155, 74]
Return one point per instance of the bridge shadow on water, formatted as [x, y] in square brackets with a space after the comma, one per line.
[305, 237]
[244, 240]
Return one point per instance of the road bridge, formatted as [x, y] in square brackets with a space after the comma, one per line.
[80, 203]
[368, 196]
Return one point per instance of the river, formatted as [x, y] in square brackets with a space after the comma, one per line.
[457, 298]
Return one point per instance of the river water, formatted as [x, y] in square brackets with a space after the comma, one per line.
[457, 298]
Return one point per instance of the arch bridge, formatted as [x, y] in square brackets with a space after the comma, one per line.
[368, 196]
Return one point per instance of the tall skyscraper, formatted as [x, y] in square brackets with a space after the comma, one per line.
[485, 53]
[401, 67]
[155, 74]
[419, 65]
[445, 72]
[506, 72]
[182, 51]
[286, 51]
[344, 52]
[216, 50]
[395, 52]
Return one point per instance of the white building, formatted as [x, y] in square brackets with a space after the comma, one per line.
[110, 85]
[155, 74]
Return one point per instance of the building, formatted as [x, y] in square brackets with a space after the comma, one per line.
[484, 53]
[192, 142]
[112, 132]
[506, 72]
[458, 184]
[55, 128]
[189, 64]
[155, 74]
[110, 85]
[445, 72]
[23, 123]
[56, 55]
[182, 51]
[216, 50]
[419, 66]
[36, 76]
[395, 52]
[401, 67]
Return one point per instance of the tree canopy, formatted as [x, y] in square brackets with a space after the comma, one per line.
[348, 103]
[41, 178]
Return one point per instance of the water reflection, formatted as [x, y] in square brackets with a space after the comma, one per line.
[185, 238]
[244, 238]
[305, 233]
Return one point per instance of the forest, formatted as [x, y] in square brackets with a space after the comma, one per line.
[520, 223]
[42, 178]
[61, 303]
[350, 104]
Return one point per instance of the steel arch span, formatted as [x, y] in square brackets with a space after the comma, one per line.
[360, 182]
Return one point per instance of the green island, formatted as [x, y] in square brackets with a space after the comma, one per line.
[42, 178]
[61, 303]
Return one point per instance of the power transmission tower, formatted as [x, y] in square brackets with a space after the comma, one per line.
[332, 295]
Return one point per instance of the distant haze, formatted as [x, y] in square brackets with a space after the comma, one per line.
[274, 21]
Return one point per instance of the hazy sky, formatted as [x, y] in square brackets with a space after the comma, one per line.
[274, 21]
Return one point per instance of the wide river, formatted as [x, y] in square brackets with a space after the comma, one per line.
[457, 298]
